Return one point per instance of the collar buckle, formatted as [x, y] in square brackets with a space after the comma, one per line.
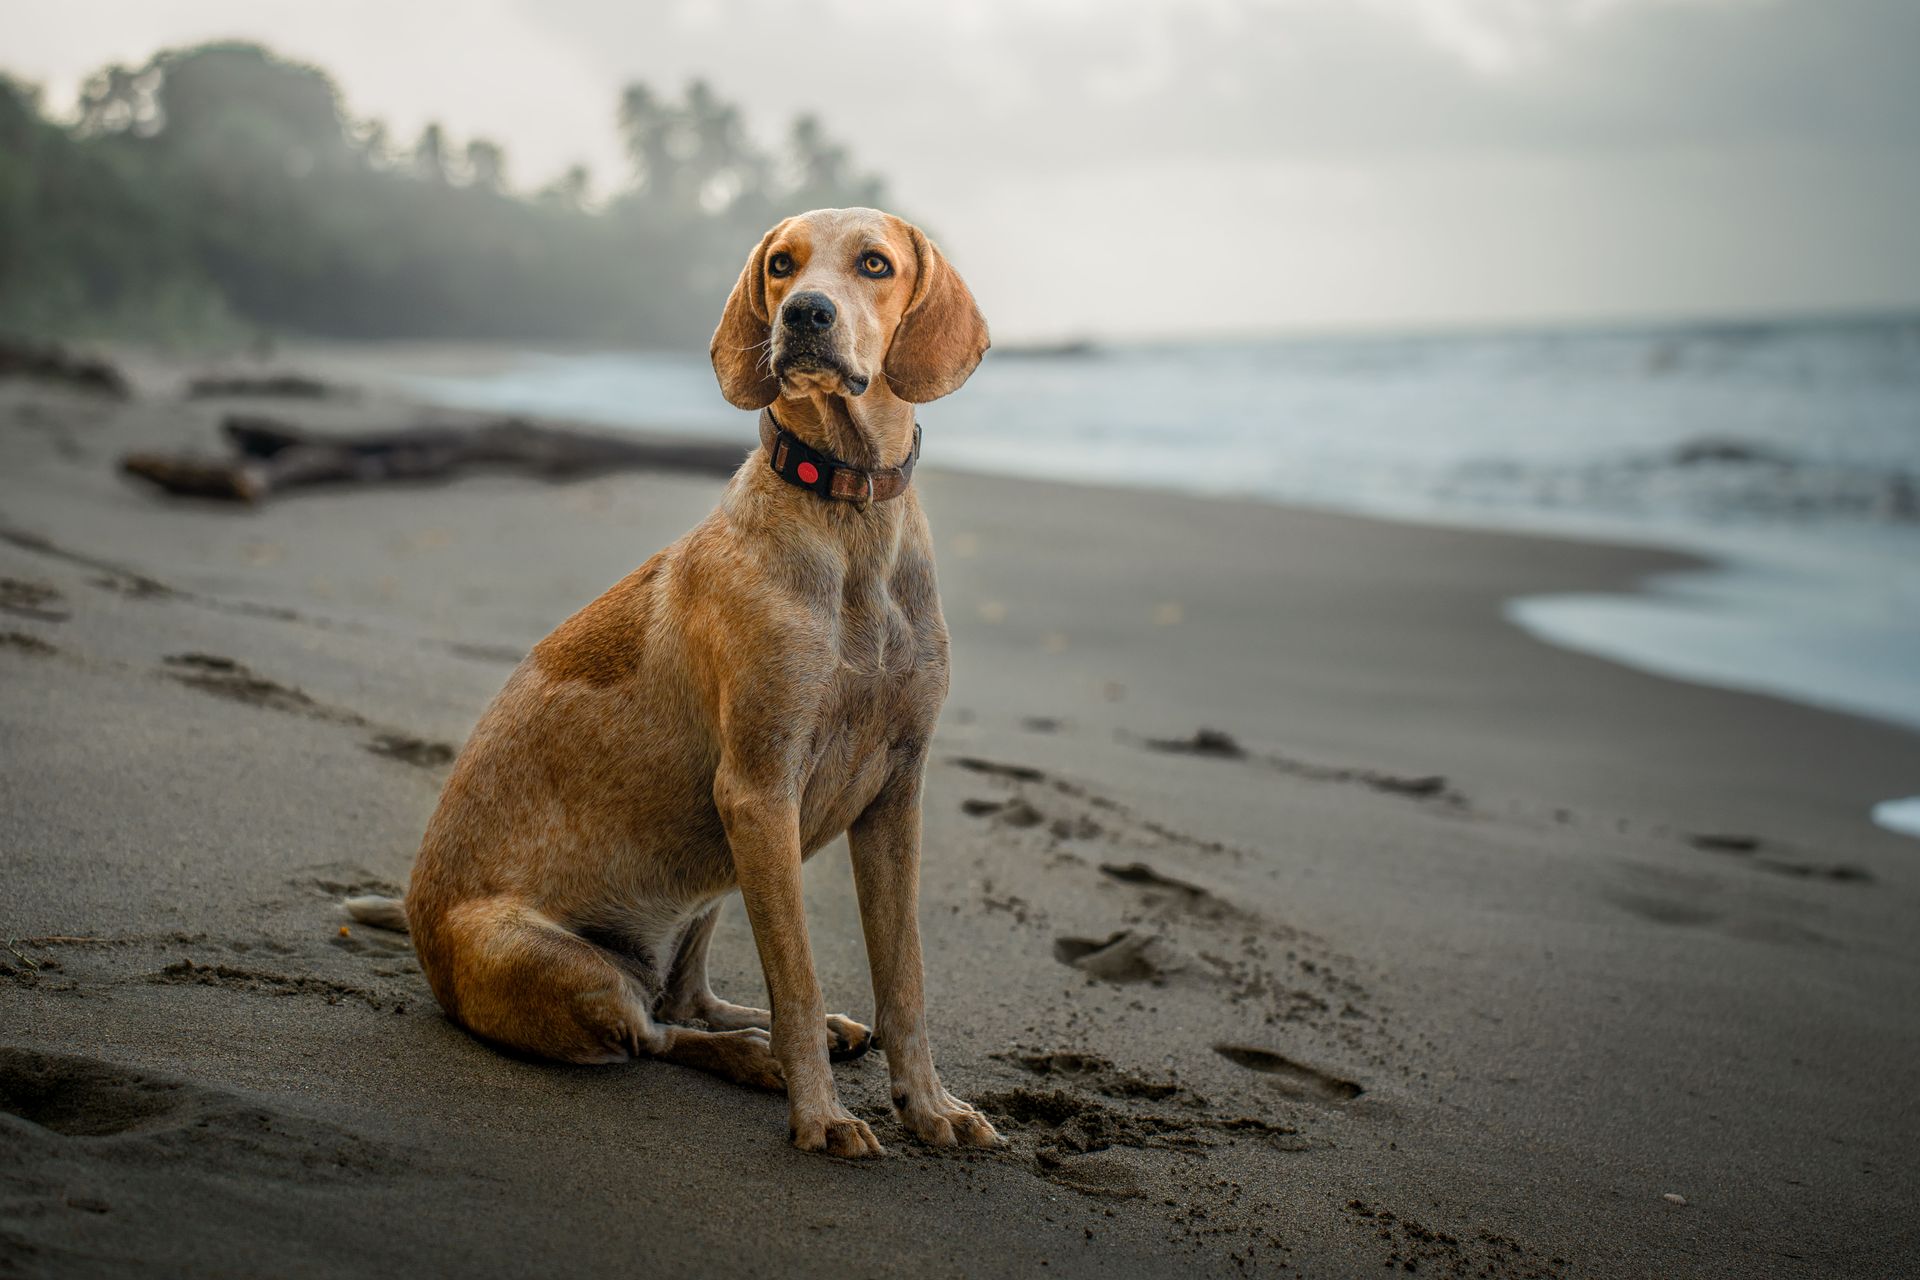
[805, 467]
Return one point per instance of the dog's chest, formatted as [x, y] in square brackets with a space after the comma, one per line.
[882, 701]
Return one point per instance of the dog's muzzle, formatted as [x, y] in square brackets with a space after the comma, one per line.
[806, 342]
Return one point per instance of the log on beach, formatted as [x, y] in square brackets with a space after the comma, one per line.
[57, 364]
[272, 456]
[284, 385]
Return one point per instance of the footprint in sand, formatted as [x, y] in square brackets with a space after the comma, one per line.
[411, 750]
[1294, 1077]
[229, 678]
[1764, 855]
[1150, 877]
[21, 642]
[39, 601]
[1125, 956]
[1725, 843]
[81, 1098]
[1075, 826]
[1000, 769]
[502, 653]
[336, 880]
[114, 1168]
[115, 578]
[1691, 913]
[189, 973]
[1662, 910]
[1217, 744]
[1092, 1175]
[1010, 813]
[1021, 815]
[126, 1120]
[1410, 1243]
[1078, 1139]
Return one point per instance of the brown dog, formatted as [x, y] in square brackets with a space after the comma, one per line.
[762, 685]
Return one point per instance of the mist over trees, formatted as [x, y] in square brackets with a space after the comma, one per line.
[221, 191]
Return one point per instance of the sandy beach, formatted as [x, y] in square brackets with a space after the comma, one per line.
[1446, 951]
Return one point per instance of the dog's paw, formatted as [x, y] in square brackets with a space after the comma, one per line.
[835, 1131]
[754, 1063]
[847, 1039]
[944, 1121]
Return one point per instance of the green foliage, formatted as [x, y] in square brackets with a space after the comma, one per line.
[222, 190]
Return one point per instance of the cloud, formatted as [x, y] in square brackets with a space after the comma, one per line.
[1378, 161]
[1498, 37]
[1046, 83]
[1042, 84]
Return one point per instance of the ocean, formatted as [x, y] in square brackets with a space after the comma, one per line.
[1787, 454]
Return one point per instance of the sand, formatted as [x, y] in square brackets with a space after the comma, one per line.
[1289, 911]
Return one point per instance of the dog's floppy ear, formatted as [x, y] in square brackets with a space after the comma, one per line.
[942, 335]
[742, 347]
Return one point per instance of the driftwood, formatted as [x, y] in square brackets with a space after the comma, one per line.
[56, 364]
[273, 456]
[286, 385]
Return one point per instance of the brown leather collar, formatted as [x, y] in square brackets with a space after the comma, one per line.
[805, 467]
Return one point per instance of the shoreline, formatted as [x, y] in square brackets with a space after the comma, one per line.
[1764, 579]
[1634, 625]
[1643, 625]
[1504, 943]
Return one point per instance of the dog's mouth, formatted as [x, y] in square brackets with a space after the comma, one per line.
[806, 372]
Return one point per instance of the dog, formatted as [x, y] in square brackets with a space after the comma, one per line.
[764, 684]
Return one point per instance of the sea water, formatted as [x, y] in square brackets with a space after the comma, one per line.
[1787, 454]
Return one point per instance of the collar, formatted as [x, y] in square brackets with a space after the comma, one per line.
[805, 467]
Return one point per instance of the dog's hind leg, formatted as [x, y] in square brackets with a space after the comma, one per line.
[688, 998]
[521, 980]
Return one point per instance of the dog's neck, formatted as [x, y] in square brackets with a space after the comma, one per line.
[872, 432]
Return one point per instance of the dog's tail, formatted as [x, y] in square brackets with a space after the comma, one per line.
[382, 913]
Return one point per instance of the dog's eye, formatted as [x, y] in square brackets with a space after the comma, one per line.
[876, 265]
[780, 264]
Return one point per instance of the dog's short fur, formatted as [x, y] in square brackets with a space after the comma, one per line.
[762, 685]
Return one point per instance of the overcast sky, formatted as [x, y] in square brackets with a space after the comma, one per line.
[1200, 166]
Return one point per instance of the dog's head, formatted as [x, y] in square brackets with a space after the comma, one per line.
[840, 300]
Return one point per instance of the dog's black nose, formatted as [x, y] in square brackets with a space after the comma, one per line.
[804, 311]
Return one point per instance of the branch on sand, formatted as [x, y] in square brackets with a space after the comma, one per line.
[288, 385]
[56, 364]
[272, 456]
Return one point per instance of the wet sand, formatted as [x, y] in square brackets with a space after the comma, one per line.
[1289, 911]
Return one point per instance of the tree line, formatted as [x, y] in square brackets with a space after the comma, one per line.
[222, 191]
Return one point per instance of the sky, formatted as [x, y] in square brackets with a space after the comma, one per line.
[1118, 168]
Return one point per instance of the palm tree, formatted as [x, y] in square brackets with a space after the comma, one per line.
[110, 101]
[647, 125]
[571, 190]
[430, 154]
[375, 144]
[725, 164]
[486, 165]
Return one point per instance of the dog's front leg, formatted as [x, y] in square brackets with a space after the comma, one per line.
[885, 842]
[763, 826]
